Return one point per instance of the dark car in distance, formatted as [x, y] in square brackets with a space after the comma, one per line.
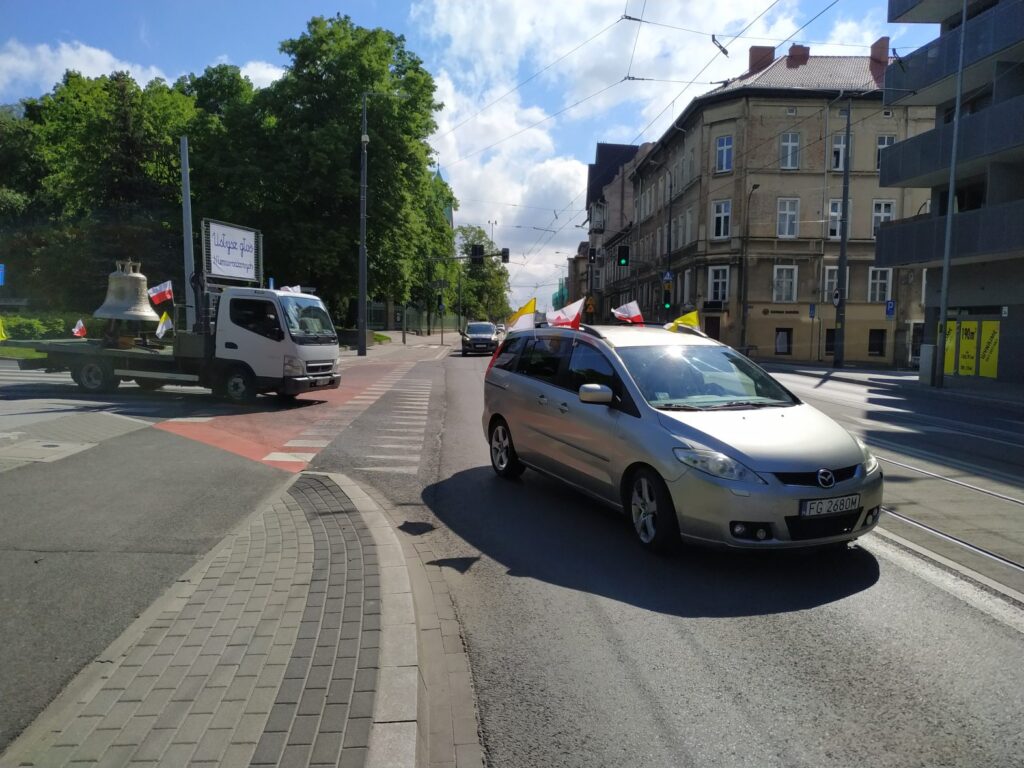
[479, 337]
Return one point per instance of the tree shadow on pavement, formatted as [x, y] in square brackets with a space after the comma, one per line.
[540, 529]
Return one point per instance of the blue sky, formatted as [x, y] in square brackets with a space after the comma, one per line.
[478, 51]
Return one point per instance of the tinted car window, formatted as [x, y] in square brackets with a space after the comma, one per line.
[542, 358]
[506, 359]
[588, 366]
[256, 315]
[480, 329]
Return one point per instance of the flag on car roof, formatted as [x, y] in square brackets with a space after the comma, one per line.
[523, 318]
[158, 294]
[79, 329]
[568, 316]
[690, 319]
[165, 325]
[629, 313]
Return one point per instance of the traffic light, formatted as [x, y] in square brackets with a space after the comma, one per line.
[476, 253]
[666, 295]
[623, 255]
[504, 255]
[440, 303]
[592, 256]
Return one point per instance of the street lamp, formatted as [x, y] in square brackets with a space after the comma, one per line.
[364, 139]
[744, 276]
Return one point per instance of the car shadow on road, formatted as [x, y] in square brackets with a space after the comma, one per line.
[540, 529]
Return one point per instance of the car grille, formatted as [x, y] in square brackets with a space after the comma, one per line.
[811, 478]
[804, 528]
[319, 367]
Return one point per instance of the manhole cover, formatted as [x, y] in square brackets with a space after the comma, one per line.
[41, 450]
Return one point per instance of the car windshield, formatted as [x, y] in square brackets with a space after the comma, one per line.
[307, 318]
[677, 377]
[480, 329]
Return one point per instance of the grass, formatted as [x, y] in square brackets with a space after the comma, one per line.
[18, 353]
[380, 338]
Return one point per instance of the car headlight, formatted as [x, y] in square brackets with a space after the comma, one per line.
[716, 464]
[870, 462]
[293, 366]
[336, 369]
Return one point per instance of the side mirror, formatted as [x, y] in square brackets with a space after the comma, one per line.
[595, 393]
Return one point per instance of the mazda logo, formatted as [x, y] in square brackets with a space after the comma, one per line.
[825, 478]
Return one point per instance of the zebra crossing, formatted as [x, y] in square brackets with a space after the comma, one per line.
[397, 449]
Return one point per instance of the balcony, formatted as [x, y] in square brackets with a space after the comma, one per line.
[929, 11]
[995, 231]
[927, 75]
[995, 134]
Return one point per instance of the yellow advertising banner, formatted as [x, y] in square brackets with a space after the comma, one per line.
[950, 354]
[988, 359]
[967, 364]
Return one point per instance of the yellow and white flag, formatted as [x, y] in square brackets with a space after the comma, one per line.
[523, 318]
[165, 325]
[3, 331]
[690, 319]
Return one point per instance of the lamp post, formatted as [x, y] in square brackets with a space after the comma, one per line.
[744, 276]
[364, 139]
[839, 355]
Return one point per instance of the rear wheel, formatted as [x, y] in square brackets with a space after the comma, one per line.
[238, 385]
[652, 511]
[96, 376]
[504, 460]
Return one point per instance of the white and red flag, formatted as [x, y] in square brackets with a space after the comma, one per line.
[79, 329]
[568, 316]
[158, 294]
[629, 313]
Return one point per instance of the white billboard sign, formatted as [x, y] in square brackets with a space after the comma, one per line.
[232, 252]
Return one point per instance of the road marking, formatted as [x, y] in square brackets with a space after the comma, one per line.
[192, 419]
[394, 457]
[303, 457]
[400, 470]
[307, 443]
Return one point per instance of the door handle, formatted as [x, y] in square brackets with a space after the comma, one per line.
[564, 408]
[230, 345]
[542, 400]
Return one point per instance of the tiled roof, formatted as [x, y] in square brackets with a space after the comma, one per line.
[815, 73]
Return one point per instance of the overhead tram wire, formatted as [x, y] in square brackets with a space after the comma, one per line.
[775, 40]
[643, 130]
[531, 77]
[636, 39]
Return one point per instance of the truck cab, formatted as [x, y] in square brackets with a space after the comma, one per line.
[272, 341]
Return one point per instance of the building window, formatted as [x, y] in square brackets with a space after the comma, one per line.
[674, 236]
[876, 342]
[789, 216]
[687, 285]
[661, 192]
[839, 153]
[924, 285]
[835, 218]
[881, 211]
[830, 341]
[831, 284]
[718, 283]
[791, 111]
[883, 142]
[693, 164]
[723, 154]
[789, 151]
[783, 341]
[722, 214]
[688, 234]
[659, 239]
[879, 284]
[784, 289]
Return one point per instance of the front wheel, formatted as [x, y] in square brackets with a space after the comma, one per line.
[652, 511]
[504, 459]
[238, 386]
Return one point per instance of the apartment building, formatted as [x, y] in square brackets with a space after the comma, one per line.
[737, 208]
[985, 317]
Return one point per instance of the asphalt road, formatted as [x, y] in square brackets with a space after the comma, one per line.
[586, 651]
[89, 541]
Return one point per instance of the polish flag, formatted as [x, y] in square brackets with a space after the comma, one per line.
[161, 293]
[568, 316]
[79, 329]
[629, 313]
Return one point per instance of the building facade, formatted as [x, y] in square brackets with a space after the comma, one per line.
[985, 317]
[737, 210]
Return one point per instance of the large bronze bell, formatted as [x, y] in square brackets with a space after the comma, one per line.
[127, 296]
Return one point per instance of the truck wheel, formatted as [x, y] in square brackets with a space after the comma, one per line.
[238, 385]
[96, 377]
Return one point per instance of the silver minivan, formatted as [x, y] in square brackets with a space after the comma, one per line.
[690, 438]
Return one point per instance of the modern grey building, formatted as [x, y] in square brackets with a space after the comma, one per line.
[985, 322]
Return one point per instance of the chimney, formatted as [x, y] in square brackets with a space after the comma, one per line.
[880, 51]
[761, 56]
[798, 54]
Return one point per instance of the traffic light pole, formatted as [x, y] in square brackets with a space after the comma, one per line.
[839, 356]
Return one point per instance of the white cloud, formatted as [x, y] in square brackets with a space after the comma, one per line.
[33, 70]
[261, 73]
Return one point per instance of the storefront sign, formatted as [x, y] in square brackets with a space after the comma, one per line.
[988, 358]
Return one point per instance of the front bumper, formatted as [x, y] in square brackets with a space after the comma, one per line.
[706, 508]
[479, 346]
[294, 385]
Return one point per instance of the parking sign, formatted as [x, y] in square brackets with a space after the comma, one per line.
[890, 308]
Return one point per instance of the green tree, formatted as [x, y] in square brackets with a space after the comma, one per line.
[485, 287]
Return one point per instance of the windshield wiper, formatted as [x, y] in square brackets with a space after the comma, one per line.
[676, 407]
[739, 404]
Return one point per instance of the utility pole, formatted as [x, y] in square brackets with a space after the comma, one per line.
[939, 360]
[745, 274]
[364, 139]
[186, 228]
[666, 314]
[838, 359]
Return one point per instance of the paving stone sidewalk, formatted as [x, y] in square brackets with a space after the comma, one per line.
[292, 643]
